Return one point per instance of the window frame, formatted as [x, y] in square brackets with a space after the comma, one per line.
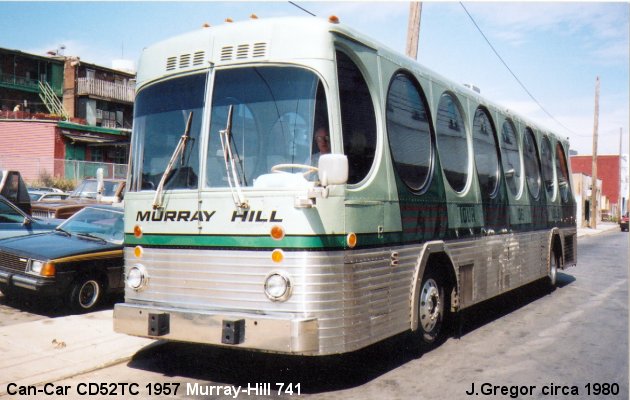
[528, 131]
[468, 145]
[426, 182]
[493, 133]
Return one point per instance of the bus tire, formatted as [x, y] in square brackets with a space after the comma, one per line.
[85, 294]
[555, 262]
[432, 306]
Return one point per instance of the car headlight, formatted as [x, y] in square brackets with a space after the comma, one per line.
[42, 268]
[277, 287]
[137, 277]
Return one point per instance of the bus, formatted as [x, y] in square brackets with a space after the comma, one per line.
[295, 187]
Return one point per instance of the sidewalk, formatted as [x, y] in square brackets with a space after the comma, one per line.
[50, 350]
[601, 227]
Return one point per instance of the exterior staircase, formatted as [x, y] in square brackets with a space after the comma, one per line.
[52, 102]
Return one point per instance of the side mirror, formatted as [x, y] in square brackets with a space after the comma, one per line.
[333, 169]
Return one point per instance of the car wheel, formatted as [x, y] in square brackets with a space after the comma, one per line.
[432, 305]
[85, 294]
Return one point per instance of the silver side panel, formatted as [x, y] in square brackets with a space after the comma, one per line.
[355, 298]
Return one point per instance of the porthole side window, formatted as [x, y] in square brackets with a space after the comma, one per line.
[562, 172]
[511, 159]
[486, 159]
[546, 164]
[409, 131]
[358, 121]
[452, 142]
[532, 169]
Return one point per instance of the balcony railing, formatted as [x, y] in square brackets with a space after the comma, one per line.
[105, 89]
[22, 83]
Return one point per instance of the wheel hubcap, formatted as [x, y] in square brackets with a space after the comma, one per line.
[88, 295]
[430, 305]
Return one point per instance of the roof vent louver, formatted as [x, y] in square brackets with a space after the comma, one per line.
[260, 50]
[242, 51]
[226, 53]
[198, 58]
[184, 61]
[171, 63]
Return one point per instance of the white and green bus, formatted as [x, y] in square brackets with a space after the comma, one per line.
[243, 230]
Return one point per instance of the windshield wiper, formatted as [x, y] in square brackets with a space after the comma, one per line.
[61, 230]
[91, 236]
[181, 148]
[230, 163]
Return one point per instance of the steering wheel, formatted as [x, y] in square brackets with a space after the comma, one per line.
[308, 169]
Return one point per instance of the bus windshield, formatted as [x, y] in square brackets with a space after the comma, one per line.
[275, 112]
[160, 117]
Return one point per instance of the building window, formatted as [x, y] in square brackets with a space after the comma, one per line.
[486, 159]
[358, 121]
[409, 131]
[97, 154]
[452, 142]
[511, 159]
[532, 169]
[546, 164]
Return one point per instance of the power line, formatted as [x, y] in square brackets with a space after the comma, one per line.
[513, 74]
[302, 8]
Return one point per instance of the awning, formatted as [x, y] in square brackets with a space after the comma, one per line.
[92, 138]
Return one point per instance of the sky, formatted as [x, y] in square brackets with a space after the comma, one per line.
[555, 49]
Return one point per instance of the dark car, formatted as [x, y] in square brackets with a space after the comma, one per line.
[15, 222]
[86, 193]
[80, 261]
[623, 223]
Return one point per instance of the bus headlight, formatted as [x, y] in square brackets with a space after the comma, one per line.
[137, 277]
[277, 287]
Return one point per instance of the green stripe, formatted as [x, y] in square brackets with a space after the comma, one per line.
[312, 242]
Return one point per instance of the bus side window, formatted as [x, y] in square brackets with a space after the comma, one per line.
[357, 119]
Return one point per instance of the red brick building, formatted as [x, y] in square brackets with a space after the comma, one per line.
[608, 170]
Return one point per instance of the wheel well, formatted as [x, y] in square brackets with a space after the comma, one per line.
[556, 245]
[441, 263]
[100, 276]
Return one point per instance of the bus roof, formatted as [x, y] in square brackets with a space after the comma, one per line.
[275, 39]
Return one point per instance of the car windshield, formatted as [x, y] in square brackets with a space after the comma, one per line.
[89, 189]
[274, 113]
[99, 223]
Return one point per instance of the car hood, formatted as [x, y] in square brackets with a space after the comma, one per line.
[52, 245]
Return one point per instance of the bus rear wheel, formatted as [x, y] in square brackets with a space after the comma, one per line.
[432, 304]
[555, 262]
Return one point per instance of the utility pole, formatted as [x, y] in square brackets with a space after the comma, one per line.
[593, 214]
[620, 179]
[413, 29]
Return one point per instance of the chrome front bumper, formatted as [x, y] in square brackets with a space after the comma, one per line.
[273, 333]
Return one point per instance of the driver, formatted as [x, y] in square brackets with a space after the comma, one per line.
[322, 140]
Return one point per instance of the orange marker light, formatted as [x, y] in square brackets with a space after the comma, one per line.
[137, 231]
[351, 239]
[138, 251]
[277, 256]
[253, 16]
[48, 270]
[277, 233]
[229, 20]
[333, 19]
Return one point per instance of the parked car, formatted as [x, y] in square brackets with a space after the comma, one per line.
[80, 261]
[13, 188]
[38, 195]
[15, 222]
[623, 223]
[86, 193]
